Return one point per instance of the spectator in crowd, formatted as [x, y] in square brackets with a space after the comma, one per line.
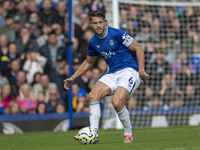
[185, 18]
[60, 108]
[148, 16]
[195, 58]
[61, 8]
[26, 100]
[144, 35]
[173, 48]
[97, 5]
[190, 39]
[149, 51]
[41, 97]
[14, 108]
[176, 66]
[158, 67]
[198, 25]
[17, 25]
[45, 85]
[2, 19]
[53, 100]
[21, 79]
[25, 42]
[145, 96]
[31, 6]
[51, 51]
[133, 15]
[3, 45]
[88, 34]
[177, 101]
[132, 103]
[36, 78]
[103, 67]
[41, 108]
[34, 63]
[80, 101]
[5, 97]
[13, 54]
[191, 99]
[123, 19]
[84, 80]
[186, 76]
[21, 11]
[34, 27]
[84, 19]
[95, 75]
[77, 13]
[14, 68]
[167, 84]
[8, 29]
[163, 18]
[42, 39]
[4, 60]
[75, 48]
[156, 29]
[154, 103]
[3, 80]
[57, 28]
[7, 7]
[48, 14]
[85, 6]
[131, 28]
[177, 29]
[60, 76]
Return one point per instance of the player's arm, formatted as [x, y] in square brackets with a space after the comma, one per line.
[84, 67]
[135, 47]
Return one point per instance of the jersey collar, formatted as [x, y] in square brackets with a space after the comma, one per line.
[105, 34]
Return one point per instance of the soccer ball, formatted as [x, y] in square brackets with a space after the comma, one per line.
[86, 135]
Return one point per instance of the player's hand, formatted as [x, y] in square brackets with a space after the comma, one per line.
[143, 75]
[68, 82]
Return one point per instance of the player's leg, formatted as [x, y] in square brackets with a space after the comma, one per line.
[119, 98]
[127, 80]
[99, 91]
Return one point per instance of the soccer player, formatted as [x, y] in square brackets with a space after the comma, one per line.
[125, 58]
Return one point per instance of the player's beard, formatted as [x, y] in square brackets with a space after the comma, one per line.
[101, 34]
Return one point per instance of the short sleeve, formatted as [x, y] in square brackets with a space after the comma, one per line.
[124, 38]
[91, 50]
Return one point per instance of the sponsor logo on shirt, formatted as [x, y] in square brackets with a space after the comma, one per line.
[107, 55]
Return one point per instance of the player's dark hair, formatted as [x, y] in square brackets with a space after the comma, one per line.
[97, 13]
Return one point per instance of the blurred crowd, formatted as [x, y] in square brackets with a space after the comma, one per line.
[34, 51]
[170, 36]
[34, 45]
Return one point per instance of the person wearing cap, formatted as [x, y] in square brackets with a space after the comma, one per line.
[17, 25]
[80, 102]
[8, 29]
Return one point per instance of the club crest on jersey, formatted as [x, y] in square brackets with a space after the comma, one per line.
[111, 42]
[107, 55]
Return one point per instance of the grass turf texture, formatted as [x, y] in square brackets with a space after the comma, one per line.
[172, 138]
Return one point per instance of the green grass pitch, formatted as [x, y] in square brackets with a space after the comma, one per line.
[172, 138]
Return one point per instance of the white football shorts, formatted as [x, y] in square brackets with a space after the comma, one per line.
[127, 78]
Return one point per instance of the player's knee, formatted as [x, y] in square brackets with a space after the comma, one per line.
[92, 97]
[118, 105]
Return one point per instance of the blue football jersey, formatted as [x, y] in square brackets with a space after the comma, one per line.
[114, 49]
